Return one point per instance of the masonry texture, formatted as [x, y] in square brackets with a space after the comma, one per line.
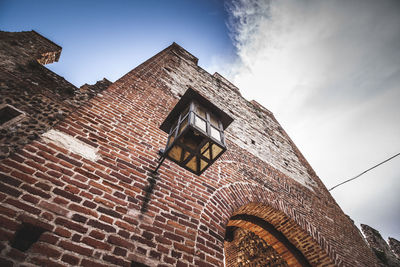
[388, 254]
[40, 95]
[78, 164]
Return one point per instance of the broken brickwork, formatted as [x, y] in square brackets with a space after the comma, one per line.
[40, 96]
[83, 183]
[395, 246]
[386, 253]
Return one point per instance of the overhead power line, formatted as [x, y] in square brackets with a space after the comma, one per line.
[355, 177]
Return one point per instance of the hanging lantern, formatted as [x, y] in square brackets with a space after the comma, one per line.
[195, 130]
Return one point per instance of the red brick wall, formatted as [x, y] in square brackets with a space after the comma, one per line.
[91, 208]
[42, 97]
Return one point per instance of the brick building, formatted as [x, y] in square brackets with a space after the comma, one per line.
[77, 187]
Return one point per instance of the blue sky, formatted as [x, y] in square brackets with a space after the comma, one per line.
[328, 70]
[109, 38]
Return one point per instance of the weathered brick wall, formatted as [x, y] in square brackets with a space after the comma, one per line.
[24, 46]
[40, 95]
[395, 246]
[85, 181]
[385, 252]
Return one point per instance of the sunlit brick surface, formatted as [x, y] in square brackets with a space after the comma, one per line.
[102, 211]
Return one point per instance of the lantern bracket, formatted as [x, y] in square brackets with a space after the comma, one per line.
[160, 160]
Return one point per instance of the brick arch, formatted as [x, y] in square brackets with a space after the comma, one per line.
[280, 245]
[246, 198]
[294, 244]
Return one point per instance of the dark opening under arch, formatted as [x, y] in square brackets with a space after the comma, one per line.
[267, 227]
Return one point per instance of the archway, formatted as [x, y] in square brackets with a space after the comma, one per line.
[279, 209]
[247, 249]
[259, 235]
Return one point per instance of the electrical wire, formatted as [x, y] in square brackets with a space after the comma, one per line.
[351, 179]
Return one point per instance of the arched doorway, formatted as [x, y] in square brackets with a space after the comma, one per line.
[259, 235]
[247, 249]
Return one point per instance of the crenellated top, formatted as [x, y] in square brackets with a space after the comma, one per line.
[32, 97]
[220, 78]
[31, 45]
[182, 52]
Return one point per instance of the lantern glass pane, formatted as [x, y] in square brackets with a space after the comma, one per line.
[201, 124]
[185, 112]
[192, 164]
[206, 154]
[200, 112]
[173, 127]
[187, 154]
[175, 153]
[183, 125]
[204, 147]
[170, 140]
[191, 139]
[215, 133]
[216, 150]
[214, 121]
[203, 164]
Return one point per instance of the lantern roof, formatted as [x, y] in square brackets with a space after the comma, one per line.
[192, 95]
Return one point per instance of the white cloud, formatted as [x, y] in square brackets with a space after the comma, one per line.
[330, 72]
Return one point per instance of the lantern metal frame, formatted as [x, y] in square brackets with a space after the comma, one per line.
[193, 141]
